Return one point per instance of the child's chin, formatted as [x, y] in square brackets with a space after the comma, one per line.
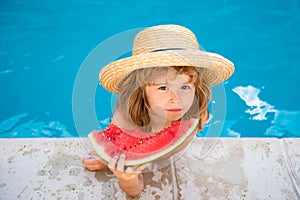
[174, 118]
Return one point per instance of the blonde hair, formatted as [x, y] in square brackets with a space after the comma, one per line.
[132, 98]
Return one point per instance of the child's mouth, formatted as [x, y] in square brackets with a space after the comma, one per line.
[174, 110]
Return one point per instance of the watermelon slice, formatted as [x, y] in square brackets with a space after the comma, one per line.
[140, 147]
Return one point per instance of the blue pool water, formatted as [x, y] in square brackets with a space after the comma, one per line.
[44, 43]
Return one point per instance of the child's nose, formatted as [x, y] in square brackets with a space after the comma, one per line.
[174, 97]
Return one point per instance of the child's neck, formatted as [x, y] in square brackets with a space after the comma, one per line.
[159, 124]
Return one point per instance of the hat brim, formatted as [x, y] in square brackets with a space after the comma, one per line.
[214, 67]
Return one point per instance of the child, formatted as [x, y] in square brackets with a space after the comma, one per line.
[167, 79]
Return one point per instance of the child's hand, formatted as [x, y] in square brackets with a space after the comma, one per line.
[131, 178]
[92, 163]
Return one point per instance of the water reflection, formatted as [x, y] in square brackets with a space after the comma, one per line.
[262, 117]
[21, 126]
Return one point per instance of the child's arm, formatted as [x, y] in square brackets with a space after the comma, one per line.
[133, 184]
[131, 179]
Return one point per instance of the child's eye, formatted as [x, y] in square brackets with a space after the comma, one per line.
[163, 88]
[185, 87]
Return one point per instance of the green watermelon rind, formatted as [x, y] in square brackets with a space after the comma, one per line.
[100, 151]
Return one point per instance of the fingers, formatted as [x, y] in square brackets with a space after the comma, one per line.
[90, 161]
[93, 162]
[121, 162]
[91, 156]
[112, 163]
[117, 164]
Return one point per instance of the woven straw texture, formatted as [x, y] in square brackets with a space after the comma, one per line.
[166, 45]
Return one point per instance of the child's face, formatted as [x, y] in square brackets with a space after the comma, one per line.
[170, 96]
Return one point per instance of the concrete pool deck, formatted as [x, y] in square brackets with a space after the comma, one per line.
[214, 168]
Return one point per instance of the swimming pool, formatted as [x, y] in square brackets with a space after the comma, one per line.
[43, 46]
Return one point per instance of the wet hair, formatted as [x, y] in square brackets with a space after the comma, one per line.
[132, 99]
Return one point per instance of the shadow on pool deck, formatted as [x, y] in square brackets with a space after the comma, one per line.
[215, 168]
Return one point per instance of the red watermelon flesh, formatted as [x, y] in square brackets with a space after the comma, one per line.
[140, 147]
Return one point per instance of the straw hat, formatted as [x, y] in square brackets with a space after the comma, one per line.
[162, 46]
